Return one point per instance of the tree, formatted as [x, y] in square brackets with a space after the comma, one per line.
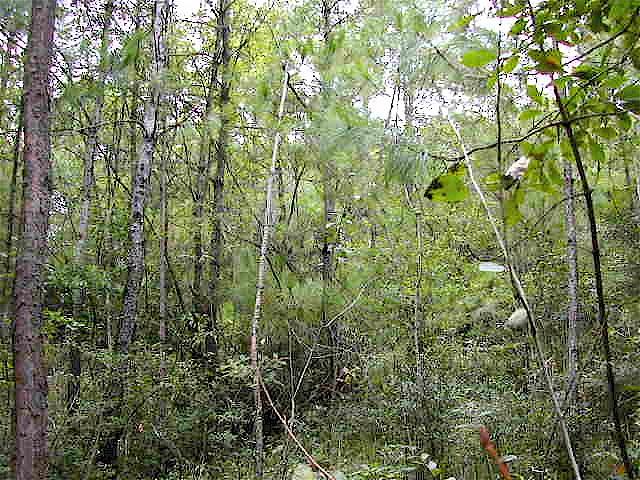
[30, 372]
[91, 150]
[135, 259]
[267, 230]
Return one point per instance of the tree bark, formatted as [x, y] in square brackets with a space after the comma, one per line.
[597, 269]
[267, 230]
[135, 260]
[572, 285]
[31, 390]
[11, 223]
[79, 293]
[217, 237]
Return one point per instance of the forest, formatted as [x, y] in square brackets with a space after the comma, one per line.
[320, 239]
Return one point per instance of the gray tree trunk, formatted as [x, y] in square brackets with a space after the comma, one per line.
[260, 286]
[31, 413]
[79, 293]
[135, 260]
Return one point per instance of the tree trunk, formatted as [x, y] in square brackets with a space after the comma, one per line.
[30, 371]
[135, 260]
[201, 193]
[11, 223]
[217, 238]
[164, 234]
[79, 293]
[416, 206]
[329, 226]
[572, 285]
[260, 285]
[597, 270]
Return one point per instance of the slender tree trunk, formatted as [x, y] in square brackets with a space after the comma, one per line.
[164, 234]
[533, 330]
[201, 193]
[135, 260]
[597, 270]
[417, 209]
[30, 371]
[329, 227]
[79, 293]
[262, 268]
[572, 285]
[217, 237]
[11, 223]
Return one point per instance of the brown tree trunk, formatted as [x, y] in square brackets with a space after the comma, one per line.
[31, 390]
[79, 294]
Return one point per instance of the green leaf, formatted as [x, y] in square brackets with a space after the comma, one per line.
[449, 188]
[625, 121]
[479, 58]
[534, 94]
[493, 181]
[512, 207]
[462, 24]
[586, 72]
[547, 62]
[608, 133]
[630, 93]
[303, 472]
[530, 114]
[597, 152]
[512, 10]
[518, 26]
[553, 173]
[491, 81]
[132, 46]
[620, 8]
[510, 65]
